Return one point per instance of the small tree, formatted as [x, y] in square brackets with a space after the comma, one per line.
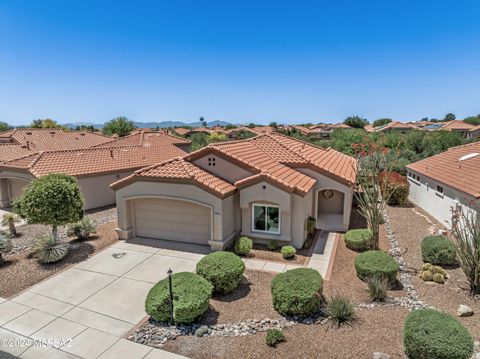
[466, 238]
[356, 122]
[120, 126]
[53, 200]
[381, 122]
[9, 219]
[449, 117]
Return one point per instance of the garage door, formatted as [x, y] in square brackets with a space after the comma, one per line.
[173, 220]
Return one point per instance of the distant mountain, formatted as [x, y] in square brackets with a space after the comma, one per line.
[75, 124]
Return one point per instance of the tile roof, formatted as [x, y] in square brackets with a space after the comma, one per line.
[451, 169]
[456, 125]
[393, 126]
[10, 151]
[180, 171]
[145, 138]
[475, 128]
[271, 157]
[92, 161]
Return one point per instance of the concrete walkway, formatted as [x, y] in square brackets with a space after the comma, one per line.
[322, 252]
[87, 309]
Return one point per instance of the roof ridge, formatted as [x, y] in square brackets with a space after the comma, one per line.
[155, 165]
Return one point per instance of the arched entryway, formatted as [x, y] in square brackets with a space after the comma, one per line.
[330, 207]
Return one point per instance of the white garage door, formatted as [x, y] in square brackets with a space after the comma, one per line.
[173, 220]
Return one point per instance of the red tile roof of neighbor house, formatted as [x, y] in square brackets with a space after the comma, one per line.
[458, 167]
[145, 138]
[456, 125]
[271, 157]
[394, 125]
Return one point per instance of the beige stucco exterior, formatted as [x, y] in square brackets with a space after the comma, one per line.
[222, 168]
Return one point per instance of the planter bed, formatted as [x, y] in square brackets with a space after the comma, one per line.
[20, 271]
[261, 252]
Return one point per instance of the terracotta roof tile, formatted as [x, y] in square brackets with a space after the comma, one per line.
[456, 125]
[453, 169]
[145, 139]
[10, 151]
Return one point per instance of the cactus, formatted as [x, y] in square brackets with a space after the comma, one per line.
[426, 266]
[438, 269]
[427, 276]
[438, 278]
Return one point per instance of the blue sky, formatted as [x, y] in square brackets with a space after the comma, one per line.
[239, 61]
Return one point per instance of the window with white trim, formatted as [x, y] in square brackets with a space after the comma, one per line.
[439, 189]
[266, 218]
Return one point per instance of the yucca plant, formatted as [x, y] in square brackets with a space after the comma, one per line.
[377, 288]
[340, 310]
[48, 249]
[82, 229]
[8, 220]
[6, 246]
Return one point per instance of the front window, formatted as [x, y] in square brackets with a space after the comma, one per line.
[266, 218]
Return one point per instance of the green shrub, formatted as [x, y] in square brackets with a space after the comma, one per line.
[297, 292]
[394, 188]
[48, 249]
[272, 245]
[377, 288]
[340, 310]
[6, 245]
[438, 250]
[243, 246]
[222, 269]
[288, 252]
[358, 239]
[376, 264]
[82, 229]
[274, 336]
[191, 294]
[431, 334]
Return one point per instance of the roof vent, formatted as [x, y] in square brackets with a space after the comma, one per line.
[29, 133]
[468, 156]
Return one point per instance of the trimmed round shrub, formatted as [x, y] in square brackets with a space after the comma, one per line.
[191, 294]
[438, 250]
[222, 269]
[272, 245]
[288, 252]
[376, 264]
[358, 239]
[243, 246]
[297, 292]
[431, 334]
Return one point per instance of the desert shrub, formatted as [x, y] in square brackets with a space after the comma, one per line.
[310, 225]
[82, 229]
[297, 292]
[431, 334]
[274, 336]
[243, 246]
[6, 245]
[438, 250]
[222, 269]
[358, 239]
[377, 288]
[376, 264]
[49, 249]
[191, 294]
[340, 310]
[288, 252]
[272, 245]
[394, 188]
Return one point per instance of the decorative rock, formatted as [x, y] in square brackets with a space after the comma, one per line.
[464, 311]
[200, 332]
[379, 355]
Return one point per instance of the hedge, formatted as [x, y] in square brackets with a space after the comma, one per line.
[191, 294]
[358, 239]
[376, 264]
[222, 269]
[438, 250]
[297, 292]
[431, 334]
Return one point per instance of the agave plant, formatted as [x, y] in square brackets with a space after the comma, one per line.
[6, 246]
[48, 249]
[82, 229]
[8, 220]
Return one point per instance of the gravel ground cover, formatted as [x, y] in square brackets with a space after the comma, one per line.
[411, 224]
[21, 271]
[261, 251]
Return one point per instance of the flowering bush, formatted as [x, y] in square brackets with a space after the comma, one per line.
[394, 188]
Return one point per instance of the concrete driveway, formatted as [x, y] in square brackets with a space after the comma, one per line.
[87, 309]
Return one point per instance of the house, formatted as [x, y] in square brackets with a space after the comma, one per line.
[457, 126]
[95, 167]
[241, 132]
[394, 126]
[445, 181]
[421, 124]
[190, 132]
[474, 132]
[263, 187]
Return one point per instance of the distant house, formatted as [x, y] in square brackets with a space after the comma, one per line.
[241, 131]
[474, 132]
[421, 124]
[264, 187]
[394, 126]
[325, 130]
[446, 181]
[454, 126]
[95, 166]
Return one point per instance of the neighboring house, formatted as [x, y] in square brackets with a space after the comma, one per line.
[421, 124]
[235, 133]
[95, 167]
[474, 132]
[445, 181]
[457, 126]
[263, 187]
[394, 126]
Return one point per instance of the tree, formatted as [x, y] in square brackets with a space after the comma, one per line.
[472, 120]
[274, 125]
[356, 122]
[4, 126]
[88, 128]
[54, 200]
[381, 122]
[46, 123]
[204, 123]
[120, 126]
[251, 125]
[449, 117]
[199, 140]
[217, 137]
[8, 220]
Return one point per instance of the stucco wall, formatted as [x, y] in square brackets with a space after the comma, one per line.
[12, 184]
[96, 189]
[423, 193]
[223, 169]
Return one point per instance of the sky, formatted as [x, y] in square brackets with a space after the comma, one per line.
[238, 61]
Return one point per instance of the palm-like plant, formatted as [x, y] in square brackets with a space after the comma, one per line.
[48, 249]
[82, 229]
[8, 220]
